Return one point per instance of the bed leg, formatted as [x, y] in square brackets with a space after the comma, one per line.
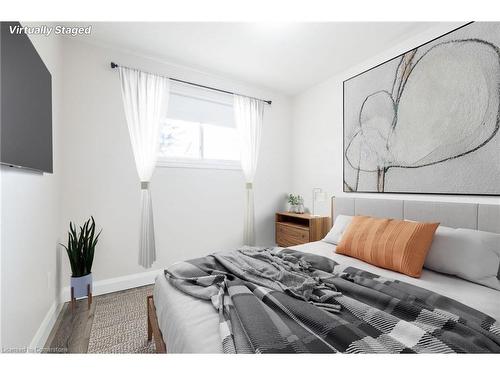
[150, 327]
[153, 327]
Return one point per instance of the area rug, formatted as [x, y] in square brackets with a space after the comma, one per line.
[120, 323]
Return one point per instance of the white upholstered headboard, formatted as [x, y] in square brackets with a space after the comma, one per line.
[478, 216]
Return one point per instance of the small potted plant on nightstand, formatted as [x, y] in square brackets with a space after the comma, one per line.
[295, 204]
[292, 201]
[80, 250]
[299, 207]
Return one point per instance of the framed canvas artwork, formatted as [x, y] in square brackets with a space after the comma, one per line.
[427, 121]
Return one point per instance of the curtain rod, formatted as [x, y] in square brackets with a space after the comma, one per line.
[114, 65]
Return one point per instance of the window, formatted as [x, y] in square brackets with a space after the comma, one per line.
[190, 140]
[199, 131]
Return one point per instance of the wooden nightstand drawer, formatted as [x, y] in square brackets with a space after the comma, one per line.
[296, 229]
[291, 234]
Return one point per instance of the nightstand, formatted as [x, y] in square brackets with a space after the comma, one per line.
[295, 229]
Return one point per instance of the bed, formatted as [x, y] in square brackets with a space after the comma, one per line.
[190, 325]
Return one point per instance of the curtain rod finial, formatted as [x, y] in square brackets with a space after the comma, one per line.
[113, 65]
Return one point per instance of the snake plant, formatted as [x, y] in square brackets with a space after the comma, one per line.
[81, 247]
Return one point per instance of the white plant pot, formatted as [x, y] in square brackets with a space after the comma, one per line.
[79, 285]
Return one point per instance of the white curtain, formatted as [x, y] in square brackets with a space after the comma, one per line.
[248, 114]
[145, 99]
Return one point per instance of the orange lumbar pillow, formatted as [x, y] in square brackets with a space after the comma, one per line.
[397, 245]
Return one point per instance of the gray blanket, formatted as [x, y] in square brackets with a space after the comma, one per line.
[289, 301]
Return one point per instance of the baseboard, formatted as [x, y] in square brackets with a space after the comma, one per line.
[43, 332]
[99, 287]
[116, 284]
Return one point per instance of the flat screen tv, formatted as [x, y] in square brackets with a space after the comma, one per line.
[25, 103]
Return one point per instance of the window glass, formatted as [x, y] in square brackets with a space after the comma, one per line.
[191, 140]
[220, 143]
[180, 139]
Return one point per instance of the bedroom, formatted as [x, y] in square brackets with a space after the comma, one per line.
[185, 139]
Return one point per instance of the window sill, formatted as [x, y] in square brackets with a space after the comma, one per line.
[199, 164]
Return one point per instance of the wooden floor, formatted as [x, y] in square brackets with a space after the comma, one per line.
[71, 331]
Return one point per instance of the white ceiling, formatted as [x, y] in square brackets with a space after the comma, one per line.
[287, 57]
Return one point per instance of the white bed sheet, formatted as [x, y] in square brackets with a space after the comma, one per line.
[190, 325]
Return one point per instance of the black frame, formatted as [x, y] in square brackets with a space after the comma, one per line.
[343, 126]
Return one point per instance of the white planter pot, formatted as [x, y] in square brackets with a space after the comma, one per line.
[79, 285]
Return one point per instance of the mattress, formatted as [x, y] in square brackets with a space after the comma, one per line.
[190, 325]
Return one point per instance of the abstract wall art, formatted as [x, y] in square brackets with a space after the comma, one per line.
[427, 121]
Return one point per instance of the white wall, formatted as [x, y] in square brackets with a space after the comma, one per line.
[317, 132]
[30, 227]
[196, 211]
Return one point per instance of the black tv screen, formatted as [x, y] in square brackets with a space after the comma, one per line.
[25, 103]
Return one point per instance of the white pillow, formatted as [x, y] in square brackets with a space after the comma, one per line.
[339, 226]
[466, 253]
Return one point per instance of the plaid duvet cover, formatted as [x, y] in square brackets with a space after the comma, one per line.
[287, 301]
